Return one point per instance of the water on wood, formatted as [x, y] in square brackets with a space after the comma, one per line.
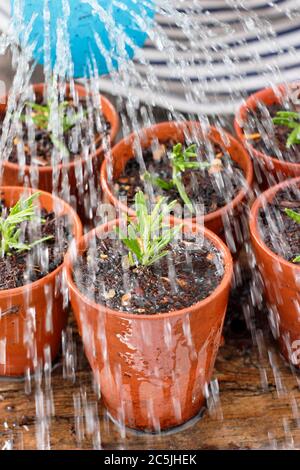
[188, 49]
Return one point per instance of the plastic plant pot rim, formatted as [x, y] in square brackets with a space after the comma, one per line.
[251, 103]
[187, 124]
[77, 233]
[115, 125]
[208, 234]
[267, 196]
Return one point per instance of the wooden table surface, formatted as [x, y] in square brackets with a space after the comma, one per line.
[257, 406]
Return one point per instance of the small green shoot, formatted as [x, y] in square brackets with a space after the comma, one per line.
[159, 182]
[147, 236]
[10, 229]
[296, 217]
[291, 120]
[41, 119]
[181, 160]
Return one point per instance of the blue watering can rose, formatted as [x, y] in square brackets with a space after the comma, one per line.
[99, 32]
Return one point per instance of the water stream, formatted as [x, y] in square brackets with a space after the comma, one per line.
[192, 55]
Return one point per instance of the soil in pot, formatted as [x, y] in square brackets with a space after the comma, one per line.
[268, 137]
[187, 275]
[213, 187]
[77, 133]
[279, 231]
[19, 269]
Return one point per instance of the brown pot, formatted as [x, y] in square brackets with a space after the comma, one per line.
[25, 329]
[14, 175]
[281, 282]
[151, 372]
[268, 169]
[124, 151]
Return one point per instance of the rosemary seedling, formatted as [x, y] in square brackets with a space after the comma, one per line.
[147, 236]
[41, 119]
[181, 160]
[10, 228]
[296, 217]
[290, 119]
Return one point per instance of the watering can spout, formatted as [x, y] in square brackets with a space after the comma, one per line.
[85, 36]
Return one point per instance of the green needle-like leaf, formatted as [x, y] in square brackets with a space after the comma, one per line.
[10, 230]
[294, 137]
[159, 182]
[293, 215]
[41, 118]
[181, 160]
[290, 119]
[183, 194]
[147, 235]
[296, 217]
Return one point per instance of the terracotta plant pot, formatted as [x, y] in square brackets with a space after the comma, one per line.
[124, 151]
[14, 175]
[281, 281]
[32, 317]
[268, 169]
[152, 372]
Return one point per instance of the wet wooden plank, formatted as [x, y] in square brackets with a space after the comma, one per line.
[252, 413]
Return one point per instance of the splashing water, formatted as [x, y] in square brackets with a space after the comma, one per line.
[199, 59]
